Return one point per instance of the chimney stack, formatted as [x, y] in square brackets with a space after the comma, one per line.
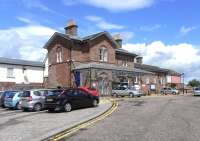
[71, 28]
[118, 39]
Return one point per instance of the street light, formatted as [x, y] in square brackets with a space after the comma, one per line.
[182, 74]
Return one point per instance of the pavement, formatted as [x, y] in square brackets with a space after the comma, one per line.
[16, 125]
[160, 118]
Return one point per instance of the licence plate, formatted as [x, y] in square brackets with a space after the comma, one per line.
[49, 99]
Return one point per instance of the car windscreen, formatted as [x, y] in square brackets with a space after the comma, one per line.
[26, 94]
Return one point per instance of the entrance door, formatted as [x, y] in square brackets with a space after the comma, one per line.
[103, 86]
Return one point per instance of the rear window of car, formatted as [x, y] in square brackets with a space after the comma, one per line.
[26, 94]
[10, 94]
[197, 89]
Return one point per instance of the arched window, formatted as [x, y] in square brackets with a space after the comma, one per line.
[59, 55]
[103, 54]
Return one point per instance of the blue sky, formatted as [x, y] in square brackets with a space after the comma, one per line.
[165, 32]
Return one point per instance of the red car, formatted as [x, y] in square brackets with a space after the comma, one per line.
[90, 90]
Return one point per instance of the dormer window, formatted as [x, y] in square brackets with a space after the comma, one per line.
[59, 55]
[103, 54]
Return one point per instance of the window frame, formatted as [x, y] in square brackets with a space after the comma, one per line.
[59, 54]
[10, 74]
[103, 54]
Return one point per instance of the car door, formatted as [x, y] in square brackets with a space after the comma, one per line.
[74, 98]
[120, 91]
[123, 91]
[85, 98]
[169, 90]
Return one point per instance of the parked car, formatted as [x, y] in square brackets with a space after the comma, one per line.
[196, 91]
[34, 99]
[169, 91]
[1, 92]
[70, 99]
[2, 95]
[2, 98]
[12, 99]
[126, 91]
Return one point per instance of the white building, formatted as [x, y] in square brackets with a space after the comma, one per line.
[15, 73]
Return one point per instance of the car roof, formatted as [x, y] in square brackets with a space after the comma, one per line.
[40, 89]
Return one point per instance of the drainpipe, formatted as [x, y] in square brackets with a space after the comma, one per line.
[90, 76]
[70, 65]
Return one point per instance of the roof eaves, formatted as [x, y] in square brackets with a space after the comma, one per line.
[53, 36]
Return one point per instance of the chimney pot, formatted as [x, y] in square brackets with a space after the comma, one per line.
[118, 39]
[71, 28]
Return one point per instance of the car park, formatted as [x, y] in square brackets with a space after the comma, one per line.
[33, 99]
[12, 100]
[126, 91]
[70, 99]
[196, 91]
[169, 90]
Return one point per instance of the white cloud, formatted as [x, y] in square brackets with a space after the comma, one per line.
[36, 4]
[180, 57]
[150, 28]
[116, 5]
[39, 5]
[185, 30]
[26, 20]
[102, 24]
[24, 42]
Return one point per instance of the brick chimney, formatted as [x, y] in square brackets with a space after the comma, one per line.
[71, 28]
[118, 39]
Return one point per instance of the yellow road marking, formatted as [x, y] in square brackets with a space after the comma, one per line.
[76, 128]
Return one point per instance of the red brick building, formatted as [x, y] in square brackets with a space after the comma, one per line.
[97, 60]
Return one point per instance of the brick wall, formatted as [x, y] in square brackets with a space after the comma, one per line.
[96, 45]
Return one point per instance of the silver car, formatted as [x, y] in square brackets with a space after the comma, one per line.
[33, 99]
[169, 91]
[126, 91]
[196, 91]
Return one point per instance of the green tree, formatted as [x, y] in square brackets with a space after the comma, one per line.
[194, 83]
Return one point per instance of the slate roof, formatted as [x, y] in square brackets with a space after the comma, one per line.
[91, 37]
[109, 67]
[155, 69]
[125, 52]
[20, 62]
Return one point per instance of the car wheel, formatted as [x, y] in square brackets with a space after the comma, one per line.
[51, 110]
[94, 103]
[68, 107]
[37, 107]
[115, 95]
[131, 95]
[24, 109]
[18, 106]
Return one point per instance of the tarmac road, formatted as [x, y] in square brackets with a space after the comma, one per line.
[162, 118]
[16, 125]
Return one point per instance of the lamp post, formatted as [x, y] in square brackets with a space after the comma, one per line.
[183, 83]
